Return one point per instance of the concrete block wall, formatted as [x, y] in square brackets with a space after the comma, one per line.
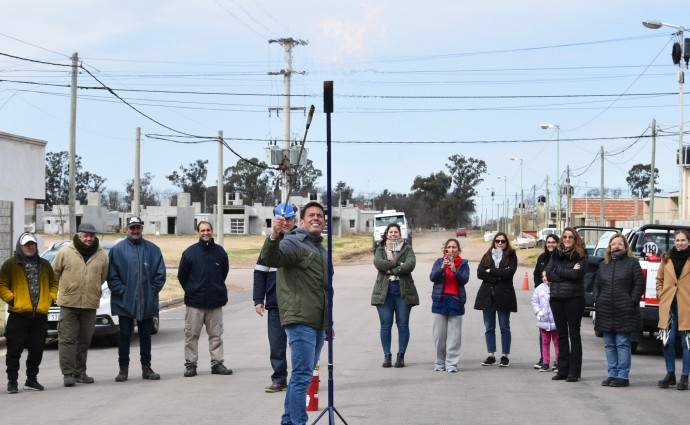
[5, 230]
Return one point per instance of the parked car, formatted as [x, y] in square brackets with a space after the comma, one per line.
[525, 241]
[460, 231]
[107, 324]
[543, 233]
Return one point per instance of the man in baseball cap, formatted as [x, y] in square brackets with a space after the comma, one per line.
[81, 269]
[28, 285]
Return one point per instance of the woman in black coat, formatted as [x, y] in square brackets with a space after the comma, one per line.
[496, 295]
[618, 288]
[566, 273]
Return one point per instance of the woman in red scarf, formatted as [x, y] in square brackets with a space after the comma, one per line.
[449, 274]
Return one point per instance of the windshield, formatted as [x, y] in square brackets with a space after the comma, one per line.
[385, 221]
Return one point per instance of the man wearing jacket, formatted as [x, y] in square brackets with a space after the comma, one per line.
[135, 277]
[265, 300]
[202, 272]
[81, 269]
[28, 285]
[302, 289]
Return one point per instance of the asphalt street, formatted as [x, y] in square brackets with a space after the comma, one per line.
[364, 392]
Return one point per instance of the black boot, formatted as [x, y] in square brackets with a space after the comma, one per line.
[400, 361]
[387, 361]
[148, 373]
[122, 375]
[683, 383]
[669, 379]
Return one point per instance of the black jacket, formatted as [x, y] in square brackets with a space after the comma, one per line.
[542, 262]
[202, 272]
[497, 284]
[618, 288]
[566, 282]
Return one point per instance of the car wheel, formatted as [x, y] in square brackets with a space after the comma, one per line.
[156, 323]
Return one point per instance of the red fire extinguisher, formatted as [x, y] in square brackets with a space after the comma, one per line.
[313, 391]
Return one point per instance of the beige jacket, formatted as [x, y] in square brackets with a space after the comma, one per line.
[668, 288]
[80, 283]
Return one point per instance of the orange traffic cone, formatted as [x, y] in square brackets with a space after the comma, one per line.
[525, 283]
[313, 391]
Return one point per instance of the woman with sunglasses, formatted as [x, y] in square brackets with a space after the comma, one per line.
[550, 243]
[566, 273]
[496, 295]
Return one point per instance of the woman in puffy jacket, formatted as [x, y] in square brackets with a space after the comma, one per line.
[618, 287]
[449, 274]
[496, 296]
[566, 272]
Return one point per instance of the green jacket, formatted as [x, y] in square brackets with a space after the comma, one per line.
[302, 277]
[14, 288]
[402, 267]
[80, 282]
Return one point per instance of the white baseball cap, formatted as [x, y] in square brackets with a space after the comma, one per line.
[26, 238]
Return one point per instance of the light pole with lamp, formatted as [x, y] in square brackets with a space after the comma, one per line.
[522, 198]
[505, 202]
[558, 173]
[676, 54]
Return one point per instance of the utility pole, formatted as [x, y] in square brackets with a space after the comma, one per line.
[652, 174]
[72, 147]
[136, 201]
[568, 196]
[288, 44]
[601, 195]
[219, 189]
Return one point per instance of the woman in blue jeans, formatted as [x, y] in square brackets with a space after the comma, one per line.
[394, 293]
[496, 295]
[673, 293]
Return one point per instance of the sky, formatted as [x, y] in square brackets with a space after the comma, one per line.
[414, 83]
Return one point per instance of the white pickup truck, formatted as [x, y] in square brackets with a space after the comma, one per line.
[386, 217]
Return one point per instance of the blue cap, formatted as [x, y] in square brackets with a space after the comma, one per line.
[286, 210]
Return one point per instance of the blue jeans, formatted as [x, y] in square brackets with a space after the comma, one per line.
[126, 330]
[670, 349]
[618, 354]
[277, 341]
[490, 329]
[394, 305]
[305, 348]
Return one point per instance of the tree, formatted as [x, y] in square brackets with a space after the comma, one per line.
[250, 181]
[191, 180]
[57, 180]
[302, 179]
[342, 192]
[639, 180]
[429, 192]
[147, 197]
[467, 174]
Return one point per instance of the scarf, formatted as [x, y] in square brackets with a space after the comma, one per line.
[393, 248]
[617, 254]
[83, 249]
[450, 285]
[679, 259]
[497, 255]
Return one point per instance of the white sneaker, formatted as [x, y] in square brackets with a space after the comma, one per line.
[452, 369]
[439, 368]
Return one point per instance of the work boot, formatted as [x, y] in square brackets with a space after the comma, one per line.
[683, 383]
[189, 370]
[82, 378]
[387, 361]
[400, 360]
[220, 369]
[148, 373]
[68, 380]
[122, 376]
[669, 379]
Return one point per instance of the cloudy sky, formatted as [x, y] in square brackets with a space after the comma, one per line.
[414, 83]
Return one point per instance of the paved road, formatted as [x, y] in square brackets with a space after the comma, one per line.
[365, 393]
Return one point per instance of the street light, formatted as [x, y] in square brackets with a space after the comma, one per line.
[558, 173]
[505, 202]
[522, 200]
[677, 53]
